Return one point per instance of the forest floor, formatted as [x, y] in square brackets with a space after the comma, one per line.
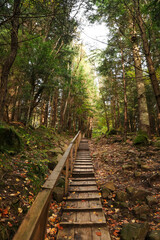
[129, 178]
[23, 174]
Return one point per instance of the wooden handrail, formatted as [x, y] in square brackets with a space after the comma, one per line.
[34, 224]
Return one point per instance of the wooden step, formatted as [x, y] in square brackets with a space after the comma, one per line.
[83, 188]
[84, 233]
[84, 179]
[84, 195]
[81, 224]
[82, 209]
[92, 203]
[83, 167]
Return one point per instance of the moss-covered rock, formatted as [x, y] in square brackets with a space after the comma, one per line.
[134, 231]
[141, 139]
[9, 141]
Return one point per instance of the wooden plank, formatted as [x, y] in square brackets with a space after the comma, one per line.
[83, 188]
[85, 183]
[82, 209]
[83, 198]
[69, 217]
[95, 204]
[84, 179]
[82, 224]
[97, 216]
[84, 233]
[83, 166]
[66, 233]
[83, 217]
[102, 231]
[71, 205]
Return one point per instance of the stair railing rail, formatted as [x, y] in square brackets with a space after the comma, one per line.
[34, 224]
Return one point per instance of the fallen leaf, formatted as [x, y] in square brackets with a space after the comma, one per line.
[98, 233]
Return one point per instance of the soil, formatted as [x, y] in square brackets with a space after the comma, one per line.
[126, 165]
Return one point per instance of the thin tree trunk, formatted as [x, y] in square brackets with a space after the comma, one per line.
[125, 97]
[11, 58]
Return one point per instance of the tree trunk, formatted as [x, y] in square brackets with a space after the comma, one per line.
[150, 64]
[11, 58]
[125, 97]
[144, 124]
[54, 109]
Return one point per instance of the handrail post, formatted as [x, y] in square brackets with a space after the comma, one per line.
[71, 156]
[66, 177]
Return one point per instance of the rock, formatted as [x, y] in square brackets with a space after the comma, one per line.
[123, 205]
[154, 235]
[110, 186]
[54, 152]
[105, 192]
[130, 190]
[134, 231]
[121, 196]
[141, 209]
[58, 194]
[61, 182]
[151, 200]
[52, 163]
[145, 167]
[9, 141]
[138, 194]
[127, 166]
[143, 217]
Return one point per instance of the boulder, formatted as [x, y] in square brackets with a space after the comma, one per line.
[54, 152]
[110, 186]
[134, 231]
[121, 196]
[61, 182]
[141, 210]
[151, 200]
[154, 235]
[105, 192]
[131, 190]
[58, 194]
[9, 141]
[52, 163]
[137, 194]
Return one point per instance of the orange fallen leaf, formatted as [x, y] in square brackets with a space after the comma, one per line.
[115, 233]
[98, 233]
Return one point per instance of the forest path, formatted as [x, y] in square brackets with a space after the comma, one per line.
[83, 217]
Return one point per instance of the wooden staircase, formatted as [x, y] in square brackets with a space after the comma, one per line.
[83, 217]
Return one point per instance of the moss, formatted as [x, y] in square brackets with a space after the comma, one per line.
[157, 144]
[141, 139]
[10, 141]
